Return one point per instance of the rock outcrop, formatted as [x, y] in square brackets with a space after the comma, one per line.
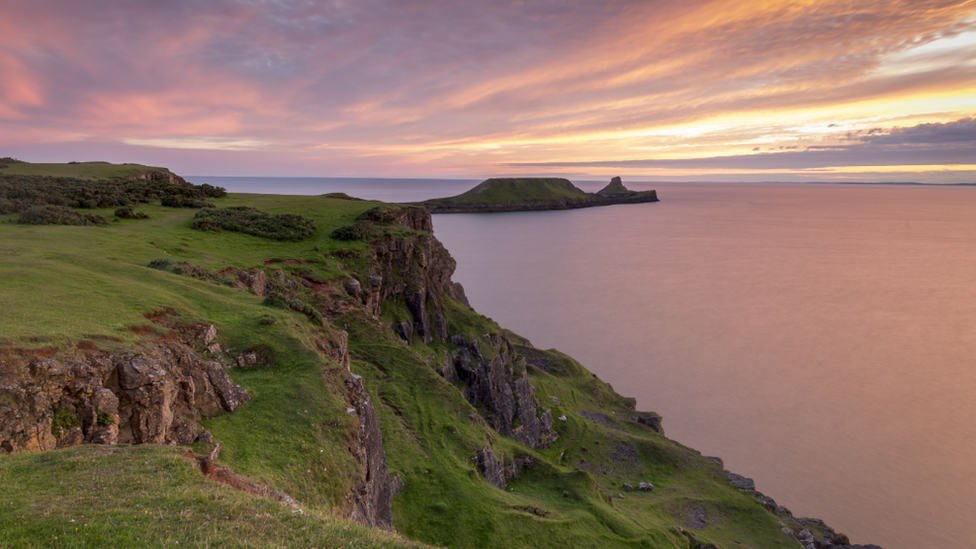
[415, 269]
[370, 502]
[501, 387]
[157, 395]
[488, 464]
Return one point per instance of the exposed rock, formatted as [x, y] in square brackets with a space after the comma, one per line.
[507, 397]
[352, 287]
[417, 269]
[740, 481]
[157, 395]
[490, 466]
[604, 420]
[628, 487]
[256, 281]
[650, 420]
[370, 501]
[645, 487]
[404, 330]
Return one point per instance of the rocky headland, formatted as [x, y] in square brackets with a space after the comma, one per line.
[535, 194]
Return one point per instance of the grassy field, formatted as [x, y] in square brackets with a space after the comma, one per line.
[512, 191]
[80, 170]
[64, 285]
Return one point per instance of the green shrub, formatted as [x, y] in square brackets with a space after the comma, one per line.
[63, 419]
[254, 222]
[103, 417]
[162, 264]
[20, 192]
[176, 201]
[360, 230]
[128, 212]
[58, 215]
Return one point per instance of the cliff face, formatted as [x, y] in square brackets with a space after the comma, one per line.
[158, 395]
[501, 388]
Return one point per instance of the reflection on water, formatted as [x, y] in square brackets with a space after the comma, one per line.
[819, 338]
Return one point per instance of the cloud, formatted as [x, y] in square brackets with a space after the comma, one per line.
[952, 143]
[461, 83]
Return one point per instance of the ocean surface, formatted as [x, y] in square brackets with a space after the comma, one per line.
[821, 339]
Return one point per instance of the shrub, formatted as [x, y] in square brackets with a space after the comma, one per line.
[58, 215]
[103, 417]
[162, 264]
[128, 212]
[243, 219]
[20, 192]
[360, 230]
[176, 201]
[63, 419]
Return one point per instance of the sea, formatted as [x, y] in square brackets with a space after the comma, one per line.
[819, 338]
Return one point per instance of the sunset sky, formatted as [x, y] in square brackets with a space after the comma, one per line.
[725, 90]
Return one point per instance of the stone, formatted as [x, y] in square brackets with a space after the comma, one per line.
[488, 464]
[555, 401]
[628, 487]
[404, 330]
[645, 487]
[352, 287]
[740, 481]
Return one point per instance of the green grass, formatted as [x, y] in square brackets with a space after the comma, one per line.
[81, 170]
[152, 496]
[62, 285]
[517, 191]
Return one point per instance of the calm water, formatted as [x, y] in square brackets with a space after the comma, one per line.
[819, 338]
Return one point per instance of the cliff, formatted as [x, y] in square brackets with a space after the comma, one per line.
[535, 194]
[346, 371]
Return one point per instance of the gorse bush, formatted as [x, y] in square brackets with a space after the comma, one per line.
[360, 230]
[128, 212]
[58, 215]
[174, 201]
[242, 219]
[20, 192]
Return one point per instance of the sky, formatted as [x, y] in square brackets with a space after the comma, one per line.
[691, 90]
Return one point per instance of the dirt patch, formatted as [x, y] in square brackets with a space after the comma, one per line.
[226, 476]
[45, 352]
[537, 511]
[295, 262]
[87, 346]
[142, 330]
[160, 316]
[172, 336]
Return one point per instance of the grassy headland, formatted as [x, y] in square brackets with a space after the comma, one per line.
[70, 290]
[533, 194]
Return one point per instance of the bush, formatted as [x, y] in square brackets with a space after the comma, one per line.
[162, 264]
[254, 222]
[63, 419]
[128, 212]
[58, 215]
[360, 230]
[175, 201]
[20, 192]
[103, 417]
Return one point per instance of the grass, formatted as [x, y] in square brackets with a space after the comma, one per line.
[80, 170]
[517, 191]
[152, 496]
[63, 285]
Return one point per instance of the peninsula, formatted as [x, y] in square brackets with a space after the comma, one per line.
[535, 194]
[183, 366]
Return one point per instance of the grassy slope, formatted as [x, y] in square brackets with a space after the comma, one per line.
[65, 284]
[517, 191]
[81, 170]
[121, 496]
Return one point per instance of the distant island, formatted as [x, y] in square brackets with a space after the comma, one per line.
[535, 194]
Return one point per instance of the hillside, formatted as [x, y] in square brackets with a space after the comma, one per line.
[79, 170]
[333, 377]
[534, 194]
